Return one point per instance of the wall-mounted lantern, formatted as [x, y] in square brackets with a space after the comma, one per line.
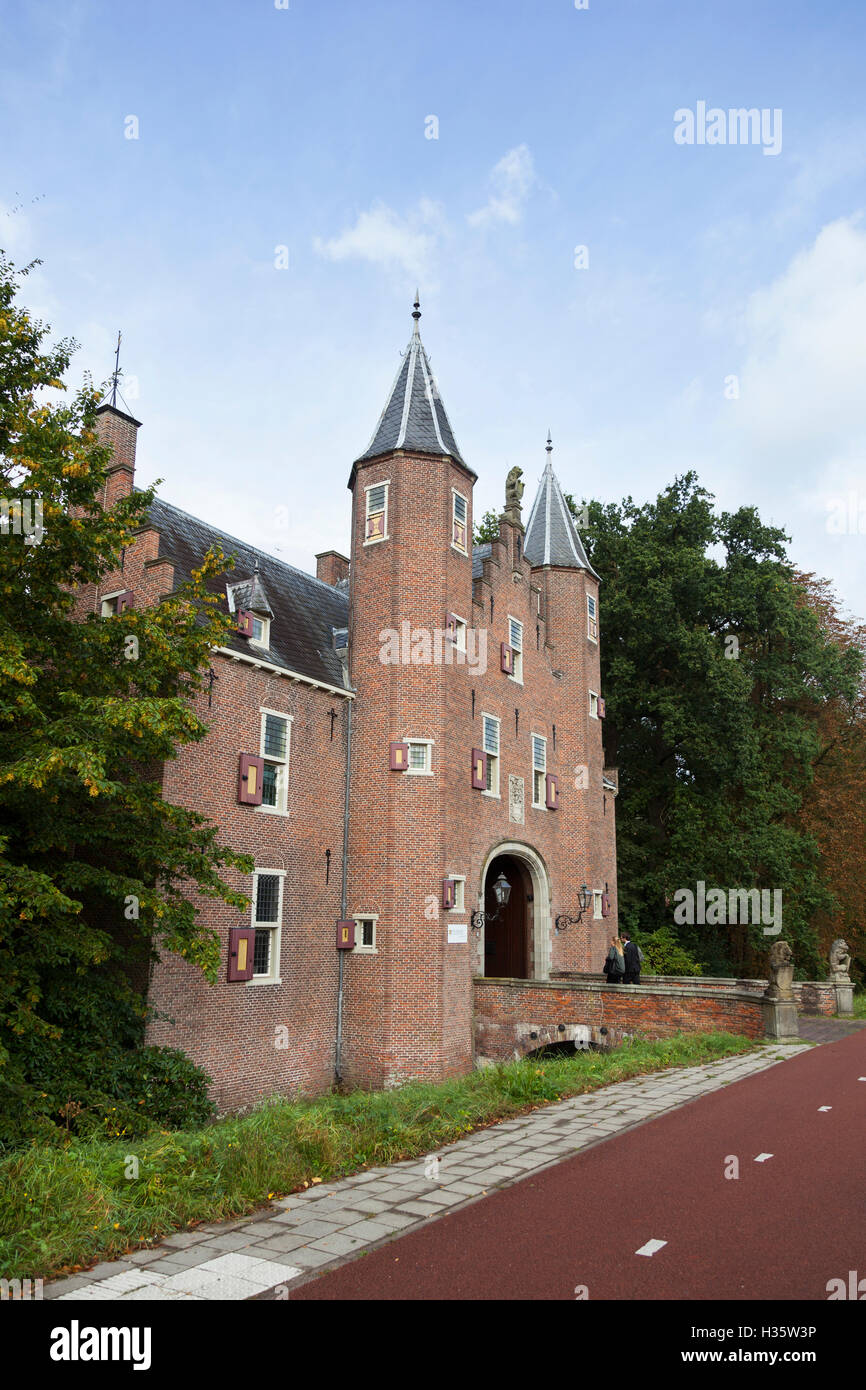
[501, 892]
[584, 898]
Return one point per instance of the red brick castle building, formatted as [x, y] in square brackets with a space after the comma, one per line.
[408, 745]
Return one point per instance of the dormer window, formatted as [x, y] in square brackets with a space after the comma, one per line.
[261, 630]
[459, 519]
[376, 525]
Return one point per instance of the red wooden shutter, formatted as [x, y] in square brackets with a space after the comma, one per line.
[448, 893]
[506, 658]
[479, 769]
[605, 904]
[451, 627]
[600, 708]
[552, 792]
[250, 773]
[240, 962]
[399, 757]
[245, 623]
[124, 601]
[346, 935]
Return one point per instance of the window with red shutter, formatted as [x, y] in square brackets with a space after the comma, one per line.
[125, 600]
[240, 961]
[448, 893]
[245, 623]
[552, 792]
[346, 934]
[399, 757]
[479, 769]
[600, 708]
[250, 778]
[506, 658]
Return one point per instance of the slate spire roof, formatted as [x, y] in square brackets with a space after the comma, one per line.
[551, 535]
[414, 416]
[251, 594]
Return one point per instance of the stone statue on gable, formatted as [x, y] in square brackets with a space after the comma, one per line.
[513, 493]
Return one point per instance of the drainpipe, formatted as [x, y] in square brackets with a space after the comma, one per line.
[338, 1051]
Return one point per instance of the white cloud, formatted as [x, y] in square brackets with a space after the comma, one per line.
[794, 443]
[384, 238]
[802, 380]
[511, 182]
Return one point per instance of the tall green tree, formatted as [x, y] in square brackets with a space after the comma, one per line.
[95, 868]
[715, 674]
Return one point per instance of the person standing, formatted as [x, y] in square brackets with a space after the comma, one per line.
[632, 956]
[614, 965]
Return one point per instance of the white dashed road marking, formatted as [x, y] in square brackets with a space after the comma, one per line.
[825, 1107]
[651, 1247]
[762, 1158]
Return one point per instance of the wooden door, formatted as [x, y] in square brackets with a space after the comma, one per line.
[505, 940]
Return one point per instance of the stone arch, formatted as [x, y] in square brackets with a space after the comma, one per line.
[541, 906]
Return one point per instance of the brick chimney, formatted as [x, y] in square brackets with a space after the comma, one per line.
[119, 430]
[331, 566]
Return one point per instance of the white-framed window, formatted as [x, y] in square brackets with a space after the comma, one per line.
[109, 603]
[267, 921]
[597, 913]
[491, 748]
[420, 757]
[274, 746]
[593, 705]
[459, 520]
[459, 881]
[515, 642]
[539, 771]
[365, 933]
[592, 617]
[376, 517]
[261, 633]
[459, 633]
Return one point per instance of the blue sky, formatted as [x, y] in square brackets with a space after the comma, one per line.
[306, 128]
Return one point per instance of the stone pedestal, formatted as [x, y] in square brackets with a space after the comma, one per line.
[780, 1018]
[844, 1000]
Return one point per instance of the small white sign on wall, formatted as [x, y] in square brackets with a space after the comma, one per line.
[457, 932]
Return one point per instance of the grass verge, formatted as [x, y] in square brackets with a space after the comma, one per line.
[860, 1003]
[62, 1208]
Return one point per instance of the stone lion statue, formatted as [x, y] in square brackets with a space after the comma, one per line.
[514, 490]
[781, 984]
[840, 962]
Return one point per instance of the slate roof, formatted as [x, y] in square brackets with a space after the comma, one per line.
[304, 609]
[479, 554]
[414, 416]
[551, 535]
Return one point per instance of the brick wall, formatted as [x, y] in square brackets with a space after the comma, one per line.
[509, 1012]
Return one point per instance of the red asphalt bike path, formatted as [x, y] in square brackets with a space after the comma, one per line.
[781, 1230]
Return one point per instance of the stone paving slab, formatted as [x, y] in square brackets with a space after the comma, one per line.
[333, 1221]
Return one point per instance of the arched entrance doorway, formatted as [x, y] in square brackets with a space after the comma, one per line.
[526, 874]
[508, 929]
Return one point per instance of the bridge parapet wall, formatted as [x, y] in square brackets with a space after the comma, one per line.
[515, 1017]
[812, 996]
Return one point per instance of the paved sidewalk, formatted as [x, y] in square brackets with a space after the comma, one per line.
[324, 1224]
[824, 1030]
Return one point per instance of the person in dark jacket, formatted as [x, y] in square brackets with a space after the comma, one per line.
[614, 965]
[631, 956]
